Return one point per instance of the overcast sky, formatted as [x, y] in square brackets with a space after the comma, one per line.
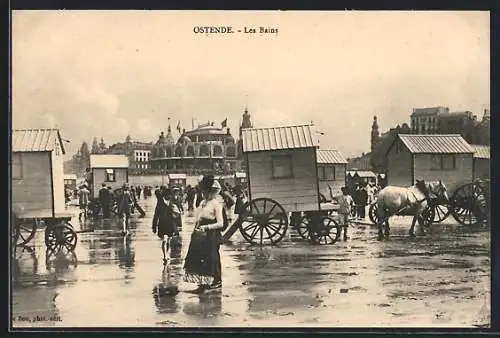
[119, 73]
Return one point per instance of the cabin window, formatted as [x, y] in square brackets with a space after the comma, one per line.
[443, 162]
[435, 162]
[110, 175]
[17, 166]
[448, 162]
[326, 173]
[282, 167]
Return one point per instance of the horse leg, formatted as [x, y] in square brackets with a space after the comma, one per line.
[420, 225]
[412, 228]
[387, 229]
[380, 223]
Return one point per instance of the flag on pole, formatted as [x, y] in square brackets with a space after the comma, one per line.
[179, 126]
[224, 123]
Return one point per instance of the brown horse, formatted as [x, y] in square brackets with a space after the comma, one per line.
[406, 201]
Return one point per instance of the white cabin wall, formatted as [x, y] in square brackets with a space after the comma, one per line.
[399, 165]
[33, 193]
[462, 173]
[58, 183]
[299, 193]
[336, 184]
[99, 178]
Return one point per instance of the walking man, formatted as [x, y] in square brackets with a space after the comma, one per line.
[83, 201]
[104, 200]
[124, 208]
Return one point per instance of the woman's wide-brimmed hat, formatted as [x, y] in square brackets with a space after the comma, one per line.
[210, 183]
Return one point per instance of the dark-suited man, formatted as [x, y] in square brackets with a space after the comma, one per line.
[105, 200]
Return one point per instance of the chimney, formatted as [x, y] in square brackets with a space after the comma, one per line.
[228, 131]
[183, 130]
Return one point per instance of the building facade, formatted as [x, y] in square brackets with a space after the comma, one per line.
[426, 120]
[205, 148]
[138, 153]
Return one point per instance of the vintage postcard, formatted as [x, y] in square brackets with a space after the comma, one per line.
[250, 169]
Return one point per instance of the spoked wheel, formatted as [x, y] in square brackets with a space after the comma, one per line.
[24, 230]
[60, 237]
[441, 212]
[469, 205]
[303, 227]
[428, 215]
[264, 221]
[373, 214]
[327, 232]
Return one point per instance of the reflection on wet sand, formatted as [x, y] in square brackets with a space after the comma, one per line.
[165, 292]
[36, 289]
[206, 306]
[438, 279]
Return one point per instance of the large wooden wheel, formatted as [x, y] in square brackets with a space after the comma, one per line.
[326, 232]
[469, 204]
[264, 221]
[60, 237]
[24, 230]
[428, 215]
[372, 213]
[441, 212]
[303, 226]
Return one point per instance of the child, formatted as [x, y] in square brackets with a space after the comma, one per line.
[165, 219]
[346, 202]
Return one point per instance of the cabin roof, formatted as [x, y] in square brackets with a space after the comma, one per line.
[240, 174]
[277, 138]
[362, 173]
[177, 176]
[108, 161]
[69, 176]
[31, 140]
[330, 157]
[481, 151]
[436, 144]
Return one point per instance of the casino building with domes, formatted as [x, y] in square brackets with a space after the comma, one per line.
[207, 147]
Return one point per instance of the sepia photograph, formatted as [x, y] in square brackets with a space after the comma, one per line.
[255, 169]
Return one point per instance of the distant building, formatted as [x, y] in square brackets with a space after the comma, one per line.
[138, 153]
[439, 120]
[205, 148]
[426, 120]
[380, 143]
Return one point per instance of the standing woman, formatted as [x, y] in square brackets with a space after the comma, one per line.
[203, 263]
